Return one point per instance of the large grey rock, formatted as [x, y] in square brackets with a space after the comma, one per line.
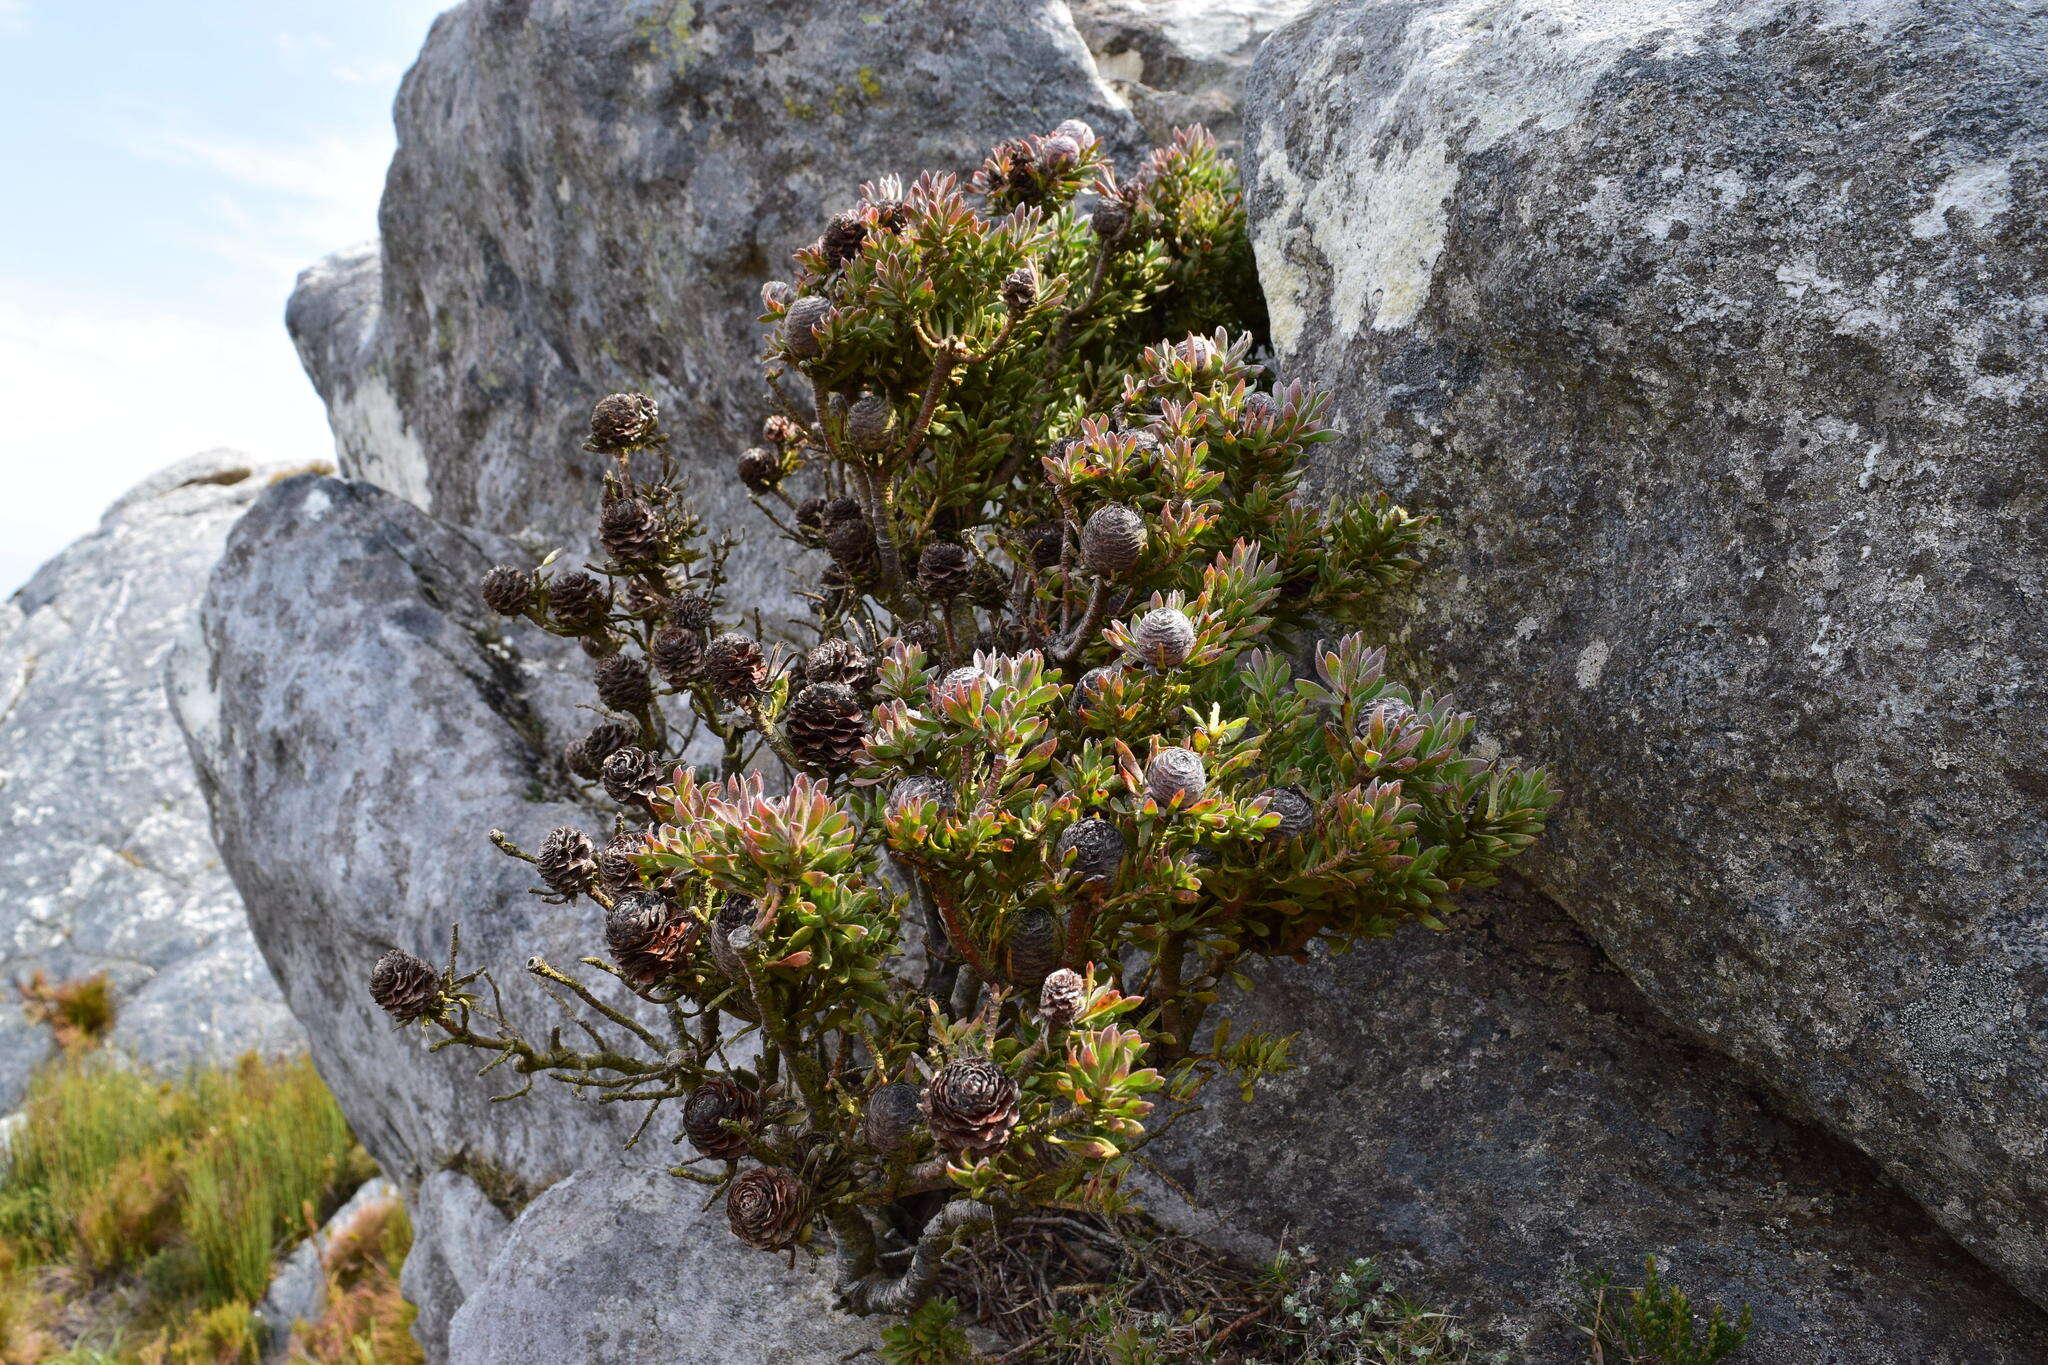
[1494, 1110]
[588, 197]
[1717, 330]
[358, 726]
[105, 859]
[359, 723]
[1180, 62]
[625, 1263]
[456, 1231]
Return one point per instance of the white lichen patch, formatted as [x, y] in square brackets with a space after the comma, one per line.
[1462, 78]
[373, 443]
[1592, 663]
[1978, 193]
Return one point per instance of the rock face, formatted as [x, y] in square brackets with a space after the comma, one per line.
[625, 1263]
[1180, 62]
[589, 197]
[1495, 1110]
[1716, 327]
[105, 860]
[359, 723]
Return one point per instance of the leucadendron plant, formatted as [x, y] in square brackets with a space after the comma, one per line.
[916, 916]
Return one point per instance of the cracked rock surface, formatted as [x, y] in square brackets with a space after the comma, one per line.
[106, 862]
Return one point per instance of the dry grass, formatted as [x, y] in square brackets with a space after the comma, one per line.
[1085, 1290]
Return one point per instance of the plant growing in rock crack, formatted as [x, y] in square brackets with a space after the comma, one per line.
[960, 893]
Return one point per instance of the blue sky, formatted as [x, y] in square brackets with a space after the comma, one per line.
[169, 166]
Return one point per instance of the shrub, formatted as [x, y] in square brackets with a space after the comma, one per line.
[1653, 1324]
[1051, 765]
[79, 1014]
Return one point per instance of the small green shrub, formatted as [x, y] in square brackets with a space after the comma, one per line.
[1653, 1324]
[929, 1336]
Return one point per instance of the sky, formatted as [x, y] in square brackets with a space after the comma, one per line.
[169, 167]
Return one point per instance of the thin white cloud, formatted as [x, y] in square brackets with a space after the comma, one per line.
[13, 17]
[97, 396]
[277, 207]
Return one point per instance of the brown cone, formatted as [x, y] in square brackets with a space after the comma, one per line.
[648, 935]
[827, 726]
[709, 1106]
[767, 1208]
[566, 862]
[405, 987]
[971, 1106]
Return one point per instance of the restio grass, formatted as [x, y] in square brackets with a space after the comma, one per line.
[141, 1218]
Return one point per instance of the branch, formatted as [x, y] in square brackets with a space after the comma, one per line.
[878, 1293]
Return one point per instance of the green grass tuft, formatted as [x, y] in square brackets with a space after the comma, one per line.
[164, 1203]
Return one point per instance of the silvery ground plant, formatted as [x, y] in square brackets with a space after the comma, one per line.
[930, 909]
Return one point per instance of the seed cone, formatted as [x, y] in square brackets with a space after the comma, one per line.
[850, 541]
[842, 239]
[737, 912]
[709, 1107]
[648, 936]
[1059, 999]
[678, 654]
[1175, 773]
[800, 326]
[1113, 540]
[920, 788]
[1097, 846]
[971, 1106]
[986, 586]
[1394, 716]
[693, 611]
[405, 987]
[810, 520]
[870, 422]
[1033, 947]
[586, 756]
[566, 862]
[623, 421]
[943, 570]
[1165, 637]
[631, 776]
[507, 591]
[1090, 684]
[760, 469]
[735, 666]
[1020, 288]
[842, 662]
[826, 726]
[1043, 543]
[579, 603]
[622, 683]
[892, 1117]
[767, 1208]
[1297, 813]
[616, 870]
[1111, 219]
[630, 531]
